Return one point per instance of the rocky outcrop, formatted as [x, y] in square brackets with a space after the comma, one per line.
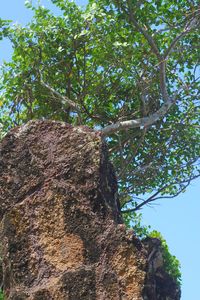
[158, 284]
[61, 229]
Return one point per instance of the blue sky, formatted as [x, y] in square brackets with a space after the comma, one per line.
[177, 219]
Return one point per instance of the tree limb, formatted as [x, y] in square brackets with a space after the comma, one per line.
[65, 100]
[141, 29]
[141, 122]
[168, 101]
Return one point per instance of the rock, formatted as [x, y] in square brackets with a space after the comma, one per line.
[158, 284]
[61, 229]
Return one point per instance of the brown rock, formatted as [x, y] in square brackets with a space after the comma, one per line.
[158, 284]
[61, 230]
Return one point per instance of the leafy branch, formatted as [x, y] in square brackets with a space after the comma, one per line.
[183, 185]
[162, 60]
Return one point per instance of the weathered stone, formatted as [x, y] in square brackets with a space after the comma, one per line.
[61, 230]
[158, 284]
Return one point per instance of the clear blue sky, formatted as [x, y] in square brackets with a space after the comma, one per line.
[177, 219]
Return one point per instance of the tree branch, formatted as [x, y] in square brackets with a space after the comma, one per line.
[168, 101]
[65, 100]
[141, 29]
[141, 122]
[154, 198]
[189, 26]
[133, 154]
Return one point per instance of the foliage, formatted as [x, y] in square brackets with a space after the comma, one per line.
[128, 64]
[128, 68]
[1, 295]
[134, 221]
[171, 263]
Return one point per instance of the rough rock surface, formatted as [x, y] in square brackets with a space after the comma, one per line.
[158, 284]
[61, 230]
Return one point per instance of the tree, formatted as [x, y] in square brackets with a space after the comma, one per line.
[126, 68]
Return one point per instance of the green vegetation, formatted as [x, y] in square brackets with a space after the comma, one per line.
[1, 295]
[127, 68]
[171, 263]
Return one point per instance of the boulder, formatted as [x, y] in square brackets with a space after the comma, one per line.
[61, 230]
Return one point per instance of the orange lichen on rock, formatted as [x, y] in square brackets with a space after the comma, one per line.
[130, 270]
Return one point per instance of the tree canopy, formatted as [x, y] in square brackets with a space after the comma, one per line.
[126, 68]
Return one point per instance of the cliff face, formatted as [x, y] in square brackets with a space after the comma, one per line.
[61, 229]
